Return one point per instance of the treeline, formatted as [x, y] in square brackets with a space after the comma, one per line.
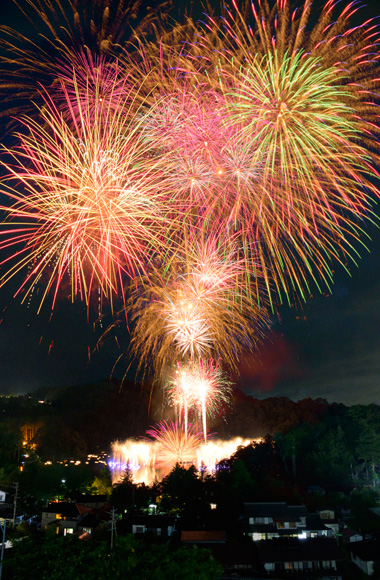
[251, 418]
[313, 440]
[74, 421]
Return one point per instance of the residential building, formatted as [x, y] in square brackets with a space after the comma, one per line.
[71, 518]
[268, 520]
[156, 525]
[365, 554]
[307, 558]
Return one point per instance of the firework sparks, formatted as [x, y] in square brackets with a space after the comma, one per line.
[174, 444]
[197, 175]
[166, 445]
[135, 456]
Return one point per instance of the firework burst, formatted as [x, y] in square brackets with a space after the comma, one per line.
[86, 83]
[304, 100]
[174, 444]
[93, 202]
[197, 307]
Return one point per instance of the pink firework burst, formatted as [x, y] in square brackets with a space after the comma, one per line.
[175, 444]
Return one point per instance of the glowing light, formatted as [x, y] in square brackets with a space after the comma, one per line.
[170, 445]
[175, 444]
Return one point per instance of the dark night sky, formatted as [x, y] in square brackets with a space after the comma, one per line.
[330, 348]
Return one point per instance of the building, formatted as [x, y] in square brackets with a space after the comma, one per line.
[268, 520]
[307, 558]
[71, 518]
[365, 554]
[155, 525]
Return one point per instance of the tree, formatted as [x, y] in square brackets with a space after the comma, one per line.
[185, 562]
[331, 460]
[360, 503]
[181, 490]
[57, 558]
[102, 483]
[368, 449]
[122, 495]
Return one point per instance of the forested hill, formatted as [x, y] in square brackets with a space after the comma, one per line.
[77, 420]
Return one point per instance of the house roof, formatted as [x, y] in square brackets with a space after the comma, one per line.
[203, 536]
[82, 509]
[294, 550]
[348, 533]
[64, 508]
[314, 523]
[276, 510]
[88, 498]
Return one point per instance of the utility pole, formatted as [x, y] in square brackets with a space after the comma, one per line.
[113, 526]
[15, 504]
[3, 525]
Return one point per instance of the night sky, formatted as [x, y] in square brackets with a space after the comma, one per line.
[329, 348]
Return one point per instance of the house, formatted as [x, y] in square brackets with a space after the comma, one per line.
[71, 518]
[268, 520]
[305, 557]
[64, 516]
[350, 535]
[365, 554]
[157, 525]
[6, 509]
[329, 520]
